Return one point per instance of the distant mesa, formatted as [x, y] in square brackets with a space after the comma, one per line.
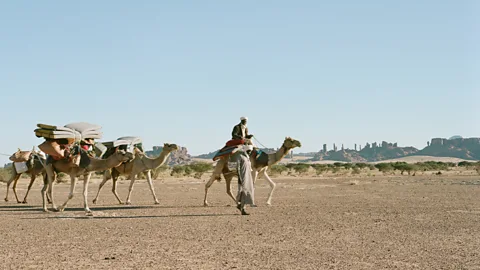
[455, 147]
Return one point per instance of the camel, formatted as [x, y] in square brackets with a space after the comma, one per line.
[141, 163]
[260, 166]
[94, 164]
[35, 168]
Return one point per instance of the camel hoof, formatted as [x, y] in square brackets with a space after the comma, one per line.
[6, 199]
[46, 210]
[89, 213]
[19, 201]
[206, 204]
[24, 201]
[60, 209]
[128, 203]
[253, 205]
[157, 202]
[94, 201]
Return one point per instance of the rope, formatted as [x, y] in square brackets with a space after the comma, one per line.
[259, 142]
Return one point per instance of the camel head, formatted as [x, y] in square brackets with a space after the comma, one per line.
[170, 147]
[290, 143]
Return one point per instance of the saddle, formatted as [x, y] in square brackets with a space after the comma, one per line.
[229, 148]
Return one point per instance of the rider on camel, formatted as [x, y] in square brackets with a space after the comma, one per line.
[240, 131]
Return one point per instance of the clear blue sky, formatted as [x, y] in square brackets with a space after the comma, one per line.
[185, 71]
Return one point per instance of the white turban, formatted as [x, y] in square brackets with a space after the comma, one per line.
[243, 118]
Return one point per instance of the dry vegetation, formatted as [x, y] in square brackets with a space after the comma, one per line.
[323, 217]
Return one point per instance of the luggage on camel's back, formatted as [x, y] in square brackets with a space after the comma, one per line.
[59, 141]
[124, 143]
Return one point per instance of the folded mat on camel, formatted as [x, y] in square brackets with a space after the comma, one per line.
[58, 134]
[83, 127]
[76, 131]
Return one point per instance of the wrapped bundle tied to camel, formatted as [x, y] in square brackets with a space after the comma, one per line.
[60, 141]
[20, 159]
[128, 144]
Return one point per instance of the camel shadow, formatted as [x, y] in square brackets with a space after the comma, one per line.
[34, 208]
[136, 217]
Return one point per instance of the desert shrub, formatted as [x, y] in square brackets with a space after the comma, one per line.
[200, 168]
[320, 168]
[338, 164]
[62, 177]
[466, 164]
[384, 167]
[356, 170]
[5, 174]
[361, 166]
[157, 171]
[404, 167]
[301, 168]
[278, 169]
[177, 170]
[347, 166]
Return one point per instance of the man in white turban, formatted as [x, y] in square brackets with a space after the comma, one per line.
[240, 131]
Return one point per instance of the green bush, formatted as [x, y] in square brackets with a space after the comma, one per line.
[361, 166]
[5, 174]
[301, 168]
[157, 171]
[177, 170]
[384, 167]
[278, 169]
[356, 170]
[320, 168]
[200, 168]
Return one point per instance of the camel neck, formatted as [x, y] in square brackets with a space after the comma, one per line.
[152, 163]
[277, 156]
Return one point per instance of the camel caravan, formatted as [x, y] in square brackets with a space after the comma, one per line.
[73, 150]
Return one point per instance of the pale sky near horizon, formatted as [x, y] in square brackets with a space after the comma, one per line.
[184, 71]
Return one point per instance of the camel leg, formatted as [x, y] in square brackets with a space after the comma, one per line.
[73, 182]
[272, 186]
[150, 184]
[130, 188]
[45, 182]
[254, 178]
[216, 175]
[48, 187]
[114, 189]
[14, 179]
[86, 180]
[32, 179]
[207, 186]
[228, 181]
[106, 177]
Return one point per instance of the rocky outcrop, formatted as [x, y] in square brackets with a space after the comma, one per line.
[464, 148]
[178, 157]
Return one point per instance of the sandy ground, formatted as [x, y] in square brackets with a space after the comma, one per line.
[421, 222]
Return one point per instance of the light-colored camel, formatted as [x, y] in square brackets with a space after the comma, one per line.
[258, 167]
[94, 164]
[34, 170]
[140, 164]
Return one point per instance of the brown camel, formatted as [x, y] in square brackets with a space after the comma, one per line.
[141, 163]
[259, 166]
[35, 168]
[94, 164]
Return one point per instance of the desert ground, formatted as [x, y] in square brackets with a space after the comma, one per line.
[376, 222]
